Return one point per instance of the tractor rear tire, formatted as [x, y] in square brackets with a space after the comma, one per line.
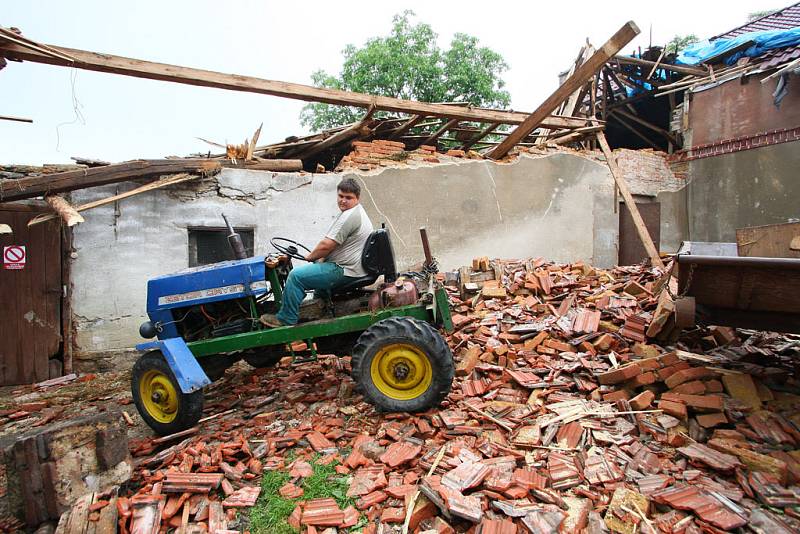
[264, 356]
[402, 364]
[159, 399]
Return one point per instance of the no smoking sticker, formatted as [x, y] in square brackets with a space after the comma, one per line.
[14, 257]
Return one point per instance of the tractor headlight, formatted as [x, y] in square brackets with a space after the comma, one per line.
[147, 330]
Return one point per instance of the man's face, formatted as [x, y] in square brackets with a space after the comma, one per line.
[346, 200]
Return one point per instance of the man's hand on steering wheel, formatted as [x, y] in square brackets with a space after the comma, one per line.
[290, 249]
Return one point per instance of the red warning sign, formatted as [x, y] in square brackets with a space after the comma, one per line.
[14, 257]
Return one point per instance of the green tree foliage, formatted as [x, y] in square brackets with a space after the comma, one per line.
[408, 64]
[758, 14]
[679, 42]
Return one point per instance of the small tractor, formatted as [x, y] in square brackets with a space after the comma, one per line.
[206, 318]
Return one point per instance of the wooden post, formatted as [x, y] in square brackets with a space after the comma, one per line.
[581, 75]
[641, 229]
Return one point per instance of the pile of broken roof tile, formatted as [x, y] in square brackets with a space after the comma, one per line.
[560, 419]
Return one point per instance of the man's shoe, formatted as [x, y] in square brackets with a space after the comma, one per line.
[270, 320]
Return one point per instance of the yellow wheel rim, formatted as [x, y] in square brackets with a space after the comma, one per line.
[159, 396]
[401, 371]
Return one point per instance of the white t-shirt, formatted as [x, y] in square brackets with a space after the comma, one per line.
[350, 230]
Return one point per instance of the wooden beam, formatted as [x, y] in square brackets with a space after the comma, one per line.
[64, 210]
[410, 123]
[172, 73]
[641, 229]
[71, 180]
[581, 75]
[574, 135]
[666, 66]
[480, 135]
[35, 186]
[438, 133]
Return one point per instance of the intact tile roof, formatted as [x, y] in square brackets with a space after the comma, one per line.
[784, 19]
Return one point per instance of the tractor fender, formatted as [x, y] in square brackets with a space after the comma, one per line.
[184, 365]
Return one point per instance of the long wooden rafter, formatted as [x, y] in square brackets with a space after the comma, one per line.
[173, 73]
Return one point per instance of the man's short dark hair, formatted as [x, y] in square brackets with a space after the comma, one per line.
[349, 185]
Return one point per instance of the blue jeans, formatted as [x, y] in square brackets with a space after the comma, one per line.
[317, 276]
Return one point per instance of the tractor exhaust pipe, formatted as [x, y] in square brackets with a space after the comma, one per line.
[426, 247]
[235, 241]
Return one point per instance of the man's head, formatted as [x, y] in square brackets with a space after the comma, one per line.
[348, 194]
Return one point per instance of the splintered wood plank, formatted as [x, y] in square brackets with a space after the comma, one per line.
[581, 75]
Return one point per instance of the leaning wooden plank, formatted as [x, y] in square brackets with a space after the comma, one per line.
[163, 182]
[64, 210]
[581, 75]
[234, 82]
[641, 229]
[71, 180]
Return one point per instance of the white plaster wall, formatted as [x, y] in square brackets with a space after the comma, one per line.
[558, 206]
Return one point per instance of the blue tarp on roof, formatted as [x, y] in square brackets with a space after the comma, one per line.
[764, 40]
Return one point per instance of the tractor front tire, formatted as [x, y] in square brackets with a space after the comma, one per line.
[159, 399]
[402, 364]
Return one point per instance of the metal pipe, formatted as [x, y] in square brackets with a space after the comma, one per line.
[426, 247]
[739, 261]
[235, 241]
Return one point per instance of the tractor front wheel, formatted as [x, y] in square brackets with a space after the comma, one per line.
[159, 399]
[402, 364]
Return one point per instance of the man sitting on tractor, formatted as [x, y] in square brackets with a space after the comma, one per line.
[335, 258]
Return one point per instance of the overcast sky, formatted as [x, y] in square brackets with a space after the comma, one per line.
[121, 118]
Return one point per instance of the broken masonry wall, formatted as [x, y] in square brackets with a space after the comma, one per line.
[558, 206]
[746, 188]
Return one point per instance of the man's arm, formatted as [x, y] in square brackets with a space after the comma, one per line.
[322, 249]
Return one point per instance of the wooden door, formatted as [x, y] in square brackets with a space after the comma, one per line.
[631, 250]
[30, 296]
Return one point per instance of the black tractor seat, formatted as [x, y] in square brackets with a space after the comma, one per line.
[377, 259]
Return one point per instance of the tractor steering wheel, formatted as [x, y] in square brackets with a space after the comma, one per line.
[290, 250]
